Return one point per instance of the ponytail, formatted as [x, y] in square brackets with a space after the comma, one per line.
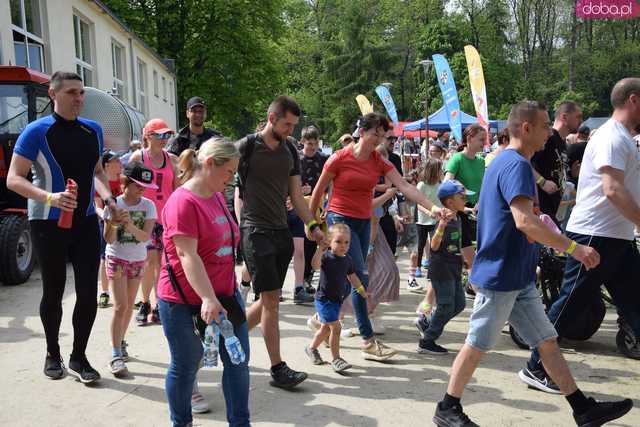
[187, 165]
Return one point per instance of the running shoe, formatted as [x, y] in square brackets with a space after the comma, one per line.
[53, 367]
[285, 377]
[301, 296]
[452, 417]
[314, 355]
[430, 347]
[85, 372]
[143, 313]
[413, 285]
[340, 365]
[118, 367]
[602, 412]
[377, 351]
[538, 379]
[103, 300]
[199, 404]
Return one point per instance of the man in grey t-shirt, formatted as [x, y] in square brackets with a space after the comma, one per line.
[270, 171]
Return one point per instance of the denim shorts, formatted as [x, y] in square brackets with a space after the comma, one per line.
[522, 308]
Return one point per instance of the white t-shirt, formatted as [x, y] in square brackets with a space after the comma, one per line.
[594, 215]
[126, 246]
[431, 193]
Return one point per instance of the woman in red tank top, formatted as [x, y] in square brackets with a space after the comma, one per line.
[156, 134]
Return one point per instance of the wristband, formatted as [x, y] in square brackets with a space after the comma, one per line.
[439, 233]
[540, 180]
[426, 307]
[49, 199]
[571, 248]
[115, 227]
[432, 208]
[360, 290]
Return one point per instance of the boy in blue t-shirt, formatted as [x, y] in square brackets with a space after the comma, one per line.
[336, 268]
[445, 269]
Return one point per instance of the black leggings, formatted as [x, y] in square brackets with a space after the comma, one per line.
[423, 238]
[81, 244]
[309, 250]
[389, 229]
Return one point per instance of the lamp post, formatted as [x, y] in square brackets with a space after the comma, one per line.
[426, 64]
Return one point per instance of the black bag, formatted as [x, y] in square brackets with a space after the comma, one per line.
[235, 312]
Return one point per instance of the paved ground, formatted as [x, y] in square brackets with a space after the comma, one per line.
[402, 392]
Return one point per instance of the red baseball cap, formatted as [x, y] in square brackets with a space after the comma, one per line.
[157, 126]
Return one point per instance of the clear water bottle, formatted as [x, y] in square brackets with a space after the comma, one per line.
[231, 342]
[210, 345]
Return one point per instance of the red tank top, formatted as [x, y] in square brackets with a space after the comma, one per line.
[163, 178]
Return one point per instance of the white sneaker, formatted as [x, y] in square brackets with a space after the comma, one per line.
[377, 326]
[414, 286]
[198, 403]
[348, 332]
[118, 367]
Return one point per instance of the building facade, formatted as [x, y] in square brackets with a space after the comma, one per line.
[86, 37]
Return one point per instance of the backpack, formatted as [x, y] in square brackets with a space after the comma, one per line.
[245, 158]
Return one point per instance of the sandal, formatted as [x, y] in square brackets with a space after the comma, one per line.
[340, 365]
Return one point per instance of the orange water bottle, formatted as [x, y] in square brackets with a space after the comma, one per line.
[66, 217]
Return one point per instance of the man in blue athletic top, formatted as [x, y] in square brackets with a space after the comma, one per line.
[56, 148]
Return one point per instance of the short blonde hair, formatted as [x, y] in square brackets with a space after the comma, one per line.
[339, 228]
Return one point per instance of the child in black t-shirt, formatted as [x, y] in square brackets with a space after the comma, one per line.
[336, 268]
[445, 269]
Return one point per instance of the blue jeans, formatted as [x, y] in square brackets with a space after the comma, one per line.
[186, 352]
[360, 233]
[451, 301]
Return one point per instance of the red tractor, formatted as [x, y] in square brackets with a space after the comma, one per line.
[23, 99]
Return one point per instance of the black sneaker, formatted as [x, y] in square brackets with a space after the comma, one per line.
[422, 324]
[538, 379]
[143, 313]
[602, 412]
[452, 417]
[301, 296]
[431, 347]
[137, 305]
[155, 315]
[84, 371]
[286, 378]
[53, 367]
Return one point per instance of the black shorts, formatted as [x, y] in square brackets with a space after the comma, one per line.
[267, 254]
[469, 228]
[296, 226]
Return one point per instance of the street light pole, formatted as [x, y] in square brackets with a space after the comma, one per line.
[426, 64]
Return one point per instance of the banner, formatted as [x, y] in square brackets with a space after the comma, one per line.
[478, 88]
[385, 97]
[449, 95]
[364, 104]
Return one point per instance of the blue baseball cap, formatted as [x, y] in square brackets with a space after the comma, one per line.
[452, 187]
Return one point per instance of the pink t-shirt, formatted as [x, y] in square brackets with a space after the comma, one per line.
[163, 178]
[209, 222]
[354, 181]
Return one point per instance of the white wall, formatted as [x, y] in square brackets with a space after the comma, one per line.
[60, 51]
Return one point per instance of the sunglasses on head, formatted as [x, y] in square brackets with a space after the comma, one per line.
[165, 135]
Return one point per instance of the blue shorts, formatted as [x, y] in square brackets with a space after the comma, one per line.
[522, 308]
[328, 311]
[296, 226]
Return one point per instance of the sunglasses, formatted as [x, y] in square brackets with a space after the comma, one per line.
[165, 135]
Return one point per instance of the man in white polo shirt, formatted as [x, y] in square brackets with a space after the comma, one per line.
[607, 211]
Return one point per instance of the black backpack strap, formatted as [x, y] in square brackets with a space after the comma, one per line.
[172, 277]
[246, 150]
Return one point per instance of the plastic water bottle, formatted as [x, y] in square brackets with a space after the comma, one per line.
[210, 345]
[66, 217]
[567, 195]
[231, 342]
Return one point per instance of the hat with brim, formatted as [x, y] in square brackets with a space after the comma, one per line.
[451, 188]
[157, 126]
[140, 174]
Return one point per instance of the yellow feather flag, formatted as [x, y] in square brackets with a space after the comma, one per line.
[478, 88]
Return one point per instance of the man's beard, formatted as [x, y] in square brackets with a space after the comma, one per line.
[276, 135]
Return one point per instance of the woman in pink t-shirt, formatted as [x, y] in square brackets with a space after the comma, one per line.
[354, 172]
[199, 238]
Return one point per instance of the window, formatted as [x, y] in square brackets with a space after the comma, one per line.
[82, 34]
[164, 89]
[171, 93]
[155, 83]
[27, 33]
[118, 65]
[142, 87]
